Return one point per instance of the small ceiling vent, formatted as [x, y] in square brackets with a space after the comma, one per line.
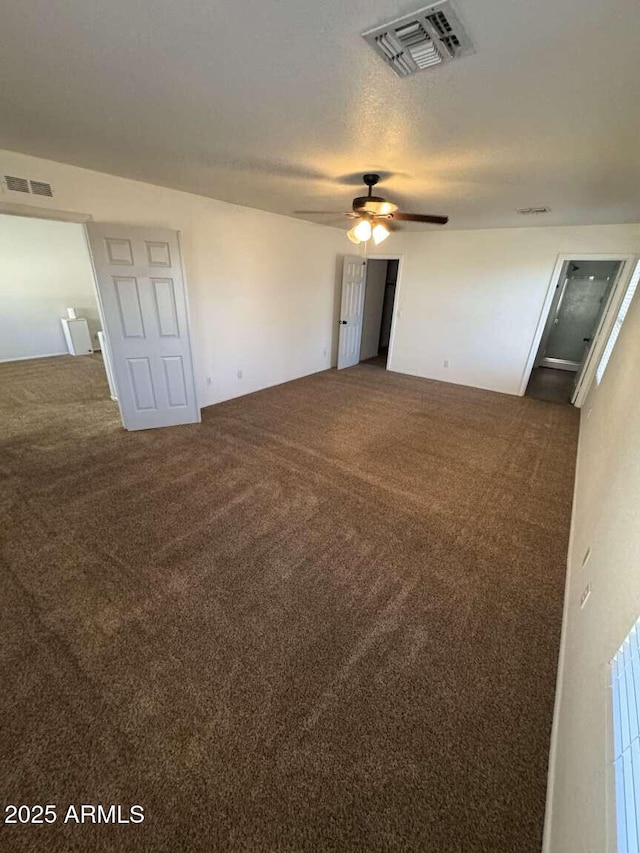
[16, 185]
[40, 188]
[532, 211]
[428, 37]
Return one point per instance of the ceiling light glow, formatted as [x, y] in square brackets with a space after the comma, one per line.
[380, 232]
[351, 234]
[363, 230]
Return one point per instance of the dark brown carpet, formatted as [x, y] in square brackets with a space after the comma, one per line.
[326, 619]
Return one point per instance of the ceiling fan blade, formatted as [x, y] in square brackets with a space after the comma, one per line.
[420, 217]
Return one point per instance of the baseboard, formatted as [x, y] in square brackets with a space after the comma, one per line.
[203, 404]
[448, 381]
[31, 357]
[553, 746]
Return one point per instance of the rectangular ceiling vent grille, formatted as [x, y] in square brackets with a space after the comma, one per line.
[23, 185]
[41, 188]
[16, 185]
[428, 37]
[532, 211]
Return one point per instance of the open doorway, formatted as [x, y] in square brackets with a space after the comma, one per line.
[582, 293]
[50, 326]
[367, 304]
[380, 294]
[126, 310]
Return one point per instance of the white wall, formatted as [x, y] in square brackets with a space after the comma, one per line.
[263, 290]
[474, 298]
[606, 520]
[44, 269]
[373, 301]
[261, 286]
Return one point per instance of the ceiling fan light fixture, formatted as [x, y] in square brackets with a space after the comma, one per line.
[367, 212]
[351, 234]
[363, 230]
[380, 232]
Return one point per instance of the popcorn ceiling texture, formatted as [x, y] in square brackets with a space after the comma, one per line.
[325, 619]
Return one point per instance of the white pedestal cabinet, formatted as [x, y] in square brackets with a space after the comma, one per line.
[76, 333]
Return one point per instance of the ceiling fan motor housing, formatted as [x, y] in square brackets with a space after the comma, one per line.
[374, 205]
[371, 204]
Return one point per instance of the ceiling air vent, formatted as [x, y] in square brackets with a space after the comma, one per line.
[40, 188]
[532, 211]
[428, 37]
[16, 185]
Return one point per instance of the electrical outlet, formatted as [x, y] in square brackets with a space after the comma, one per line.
[446, 362]
[208, 380]
[240, 374]
[585, 596]
[324, 351]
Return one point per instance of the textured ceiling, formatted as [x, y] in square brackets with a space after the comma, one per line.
[278, 104]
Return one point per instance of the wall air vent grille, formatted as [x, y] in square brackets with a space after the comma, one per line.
[23, 185]
[41, 188]
[16, 185]
[428, 37]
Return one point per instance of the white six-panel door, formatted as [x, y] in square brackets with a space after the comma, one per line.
[354, 277]
[141, 287]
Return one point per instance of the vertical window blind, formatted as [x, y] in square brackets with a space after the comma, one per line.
[625, 683]
[615, 331]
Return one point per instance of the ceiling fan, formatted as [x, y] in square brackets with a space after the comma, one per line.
[374, 214]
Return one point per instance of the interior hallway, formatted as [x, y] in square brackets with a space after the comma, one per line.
[550, 384]
[325, 619]
[379, 360]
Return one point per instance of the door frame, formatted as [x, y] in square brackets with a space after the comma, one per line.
[33, 212]
[395, 256]
[587, 374]
[602, 333]
[554, 308]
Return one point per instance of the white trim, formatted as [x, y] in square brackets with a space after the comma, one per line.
[396, 311]
[561, 260]
[560, 364]
[542, 322]
[432, 378]
[189, 327]
[607, 321]
[605, 330]
[610, 816]
[32, 357]
[564, 631]
[396, 301]
[31, 210]
[103, 325]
